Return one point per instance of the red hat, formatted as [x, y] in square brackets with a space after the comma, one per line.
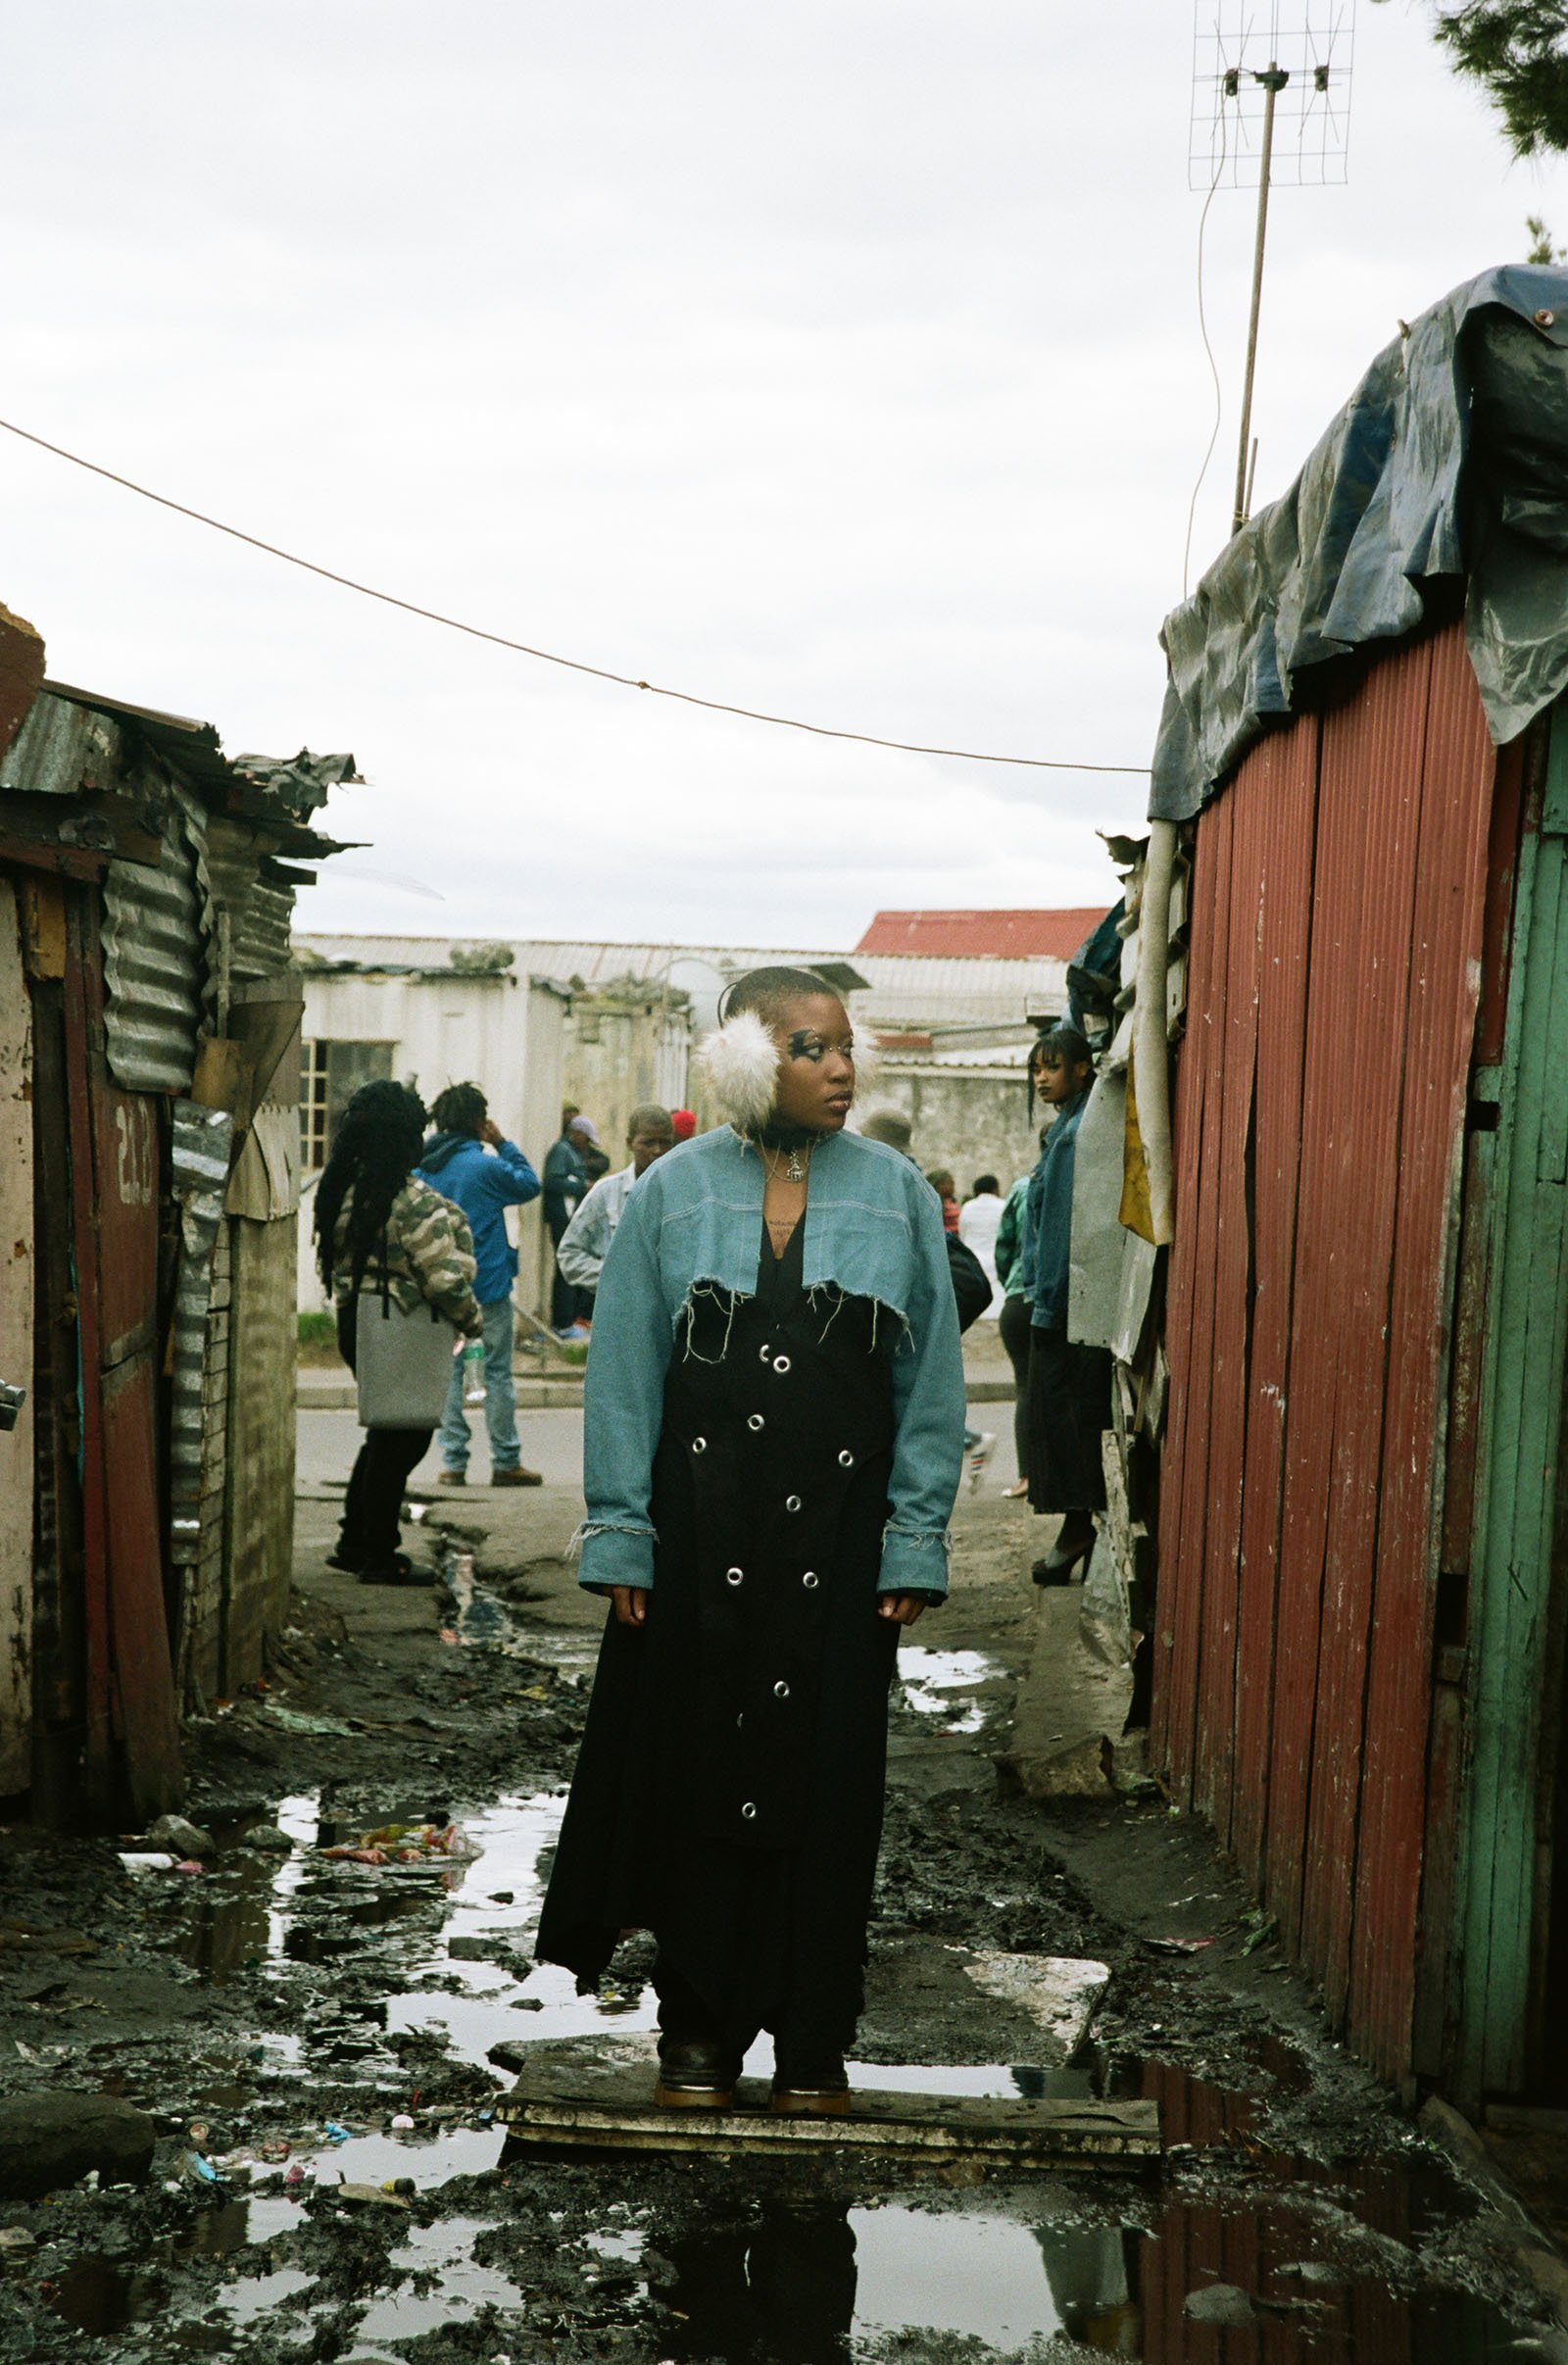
[684, 1121]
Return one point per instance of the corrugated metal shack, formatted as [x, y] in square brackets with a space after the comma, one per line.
[1358, 1634]
[149, 1032]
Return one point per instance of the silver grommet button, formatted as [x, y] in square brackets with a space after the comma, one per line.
[763, 1353]
[740, 1720]
[781, 1363]
[792, 1503]
[756, 1421]
[781, 1691]
[698, 1444]
[846, 1459]
[733, 1576]
[749, 1811]
[810, 1580]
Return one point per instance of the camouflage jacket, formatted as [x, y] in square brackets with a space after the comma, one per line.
[429, 1257]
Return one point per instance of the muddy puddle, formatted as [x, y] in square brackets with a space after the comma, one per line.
[361, 2204]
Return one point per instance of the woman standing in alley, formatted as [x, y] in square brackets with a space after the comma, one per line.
[382, 1233]
[773, 1440]
[1070, 1385]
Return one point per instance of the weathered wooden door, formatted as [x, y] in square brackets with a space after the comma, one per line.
[132, 1735]
[16, 1352]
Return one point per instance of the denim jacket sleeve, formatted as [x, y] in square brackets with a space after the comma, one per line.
[623, 1404]
[928, 1400]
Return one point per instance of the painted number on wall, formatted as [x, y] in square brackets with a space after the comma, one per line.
[136, 1166]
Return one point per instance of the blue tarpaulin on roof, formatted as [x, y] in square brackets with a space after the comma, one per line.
[1449, 461]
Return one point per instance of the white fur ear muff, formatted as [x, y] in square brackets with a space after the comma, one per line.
[739, 1061]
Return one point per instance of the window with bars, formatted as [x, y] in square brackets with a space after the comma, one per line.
[330, 1074]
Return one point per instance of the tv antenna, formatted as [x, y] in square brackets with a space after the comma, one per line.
[1271, 109]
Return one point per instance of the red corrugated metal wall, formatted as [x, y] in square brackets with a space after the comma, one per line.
[1336, 933]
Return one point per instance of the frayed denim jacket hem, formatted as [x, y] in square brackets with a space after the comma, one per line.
[873, 1229]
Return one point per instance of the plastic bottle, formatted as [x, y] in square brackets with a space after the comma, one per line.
[473, 1372]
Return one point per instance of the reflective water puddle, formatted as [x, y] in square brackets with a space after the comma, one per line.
[935, 1682]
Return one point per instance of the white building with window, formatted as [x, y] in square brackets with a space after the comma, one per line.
[429, 1027]
[609, 1025]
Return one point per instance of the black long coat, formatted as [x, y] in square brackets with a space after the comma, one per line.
[728, 1793]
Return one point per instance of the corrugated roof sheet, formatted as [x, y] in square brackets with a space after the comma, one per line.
[981, 935]
[154, 967]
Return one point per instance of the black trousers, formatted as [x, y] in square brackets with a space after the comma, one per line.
[1015, 1328]
[567, 1305]
[1069, 1409]
[372, 1505]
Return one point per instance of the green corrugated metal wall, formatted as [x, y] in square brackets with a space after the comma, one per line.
[1512, 1727]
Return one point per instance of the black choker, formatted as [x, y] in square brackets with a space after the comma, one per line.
[785, 1137]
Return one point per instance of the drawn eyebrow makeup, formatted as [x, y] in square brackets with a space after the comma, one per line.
[807, 1044]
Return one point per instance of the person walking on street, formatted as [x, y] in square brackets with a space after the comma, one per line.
[566, 1182]
[978, 1221]
[772, 1444]
[1069, 1383]
[585, 1241]
[383, 1232]
[468, 1159]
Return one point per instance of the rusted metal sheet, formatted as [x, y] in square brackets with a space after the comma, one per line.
[1443, 959]
[1285, 773]
[1370, 818]
[153, 966]
[1338, 916]
[20, 672]
[60, 748]
[1227, 1185]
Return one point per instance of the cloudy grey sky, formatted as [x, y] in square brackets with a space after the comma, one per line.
[839, 359]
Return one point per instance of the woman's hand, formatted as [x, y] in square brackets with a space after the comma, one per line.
[903, 1608]
[631, 1604]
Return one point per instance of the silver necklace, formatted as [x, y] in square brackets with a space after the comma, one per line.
[797, 1171]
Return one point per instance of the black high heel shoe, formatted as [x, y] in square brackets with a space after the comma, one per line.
[1057, 1565]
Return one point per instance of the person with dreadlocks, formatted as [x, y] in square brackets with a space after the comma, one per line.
[772, 1443]
[379, 1227]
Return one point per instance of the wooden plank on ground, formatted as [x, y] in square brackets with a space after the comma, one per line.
[585, 2096]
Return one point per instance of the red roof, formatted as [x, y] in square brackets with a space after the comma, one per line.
[1008, 935]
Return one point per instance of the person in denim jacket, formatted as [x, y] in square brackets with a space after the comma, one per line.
[773, 1440]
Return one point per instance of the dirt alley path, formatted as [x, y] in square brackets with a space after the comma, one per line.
[281, 2009]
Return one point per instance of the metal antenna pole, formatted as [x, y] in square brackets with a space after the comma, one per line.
[1273, 82]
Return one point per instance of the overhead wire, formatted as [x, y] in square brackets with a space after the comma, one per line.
[549, 657]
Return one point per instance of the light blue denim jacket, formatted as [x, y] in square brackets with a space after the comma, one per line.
[873, 1226]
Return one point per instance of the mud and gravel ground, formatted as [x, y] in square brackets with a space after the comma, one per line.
[279, 2009]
